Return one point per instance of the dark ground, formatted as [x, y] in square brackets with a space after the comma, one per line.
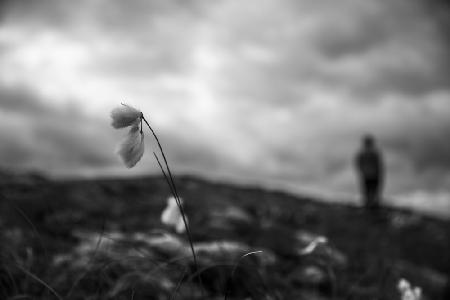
[103, 239]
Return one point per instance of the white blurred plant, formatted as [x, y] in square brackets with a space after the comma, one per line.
[132, 148]
[313, 245]
[125, 116]
[171, 216]
[408, 292]
[131, 151]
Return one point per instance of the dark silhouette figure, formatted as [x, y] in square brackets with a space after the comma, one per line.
[369, 165]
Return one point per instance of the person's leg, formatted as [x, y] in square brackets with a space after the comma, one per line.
[366, 192]
[376, 193]
[371, 193]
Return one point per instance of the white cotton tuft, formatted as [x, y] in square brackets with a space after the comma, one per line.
[408, 292]
[132, 148]
[417, 291]
[313, 245]
[124, 116]
[171, 216]
[403, 285]
[180, 228]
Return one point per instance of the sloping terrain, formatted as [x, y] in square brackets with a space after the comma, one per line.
[103, 239]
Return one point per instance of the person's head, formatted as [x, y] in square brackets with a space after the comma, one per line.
[368, 141]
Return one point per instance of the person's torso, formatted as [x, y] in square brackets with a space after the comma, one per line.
[369, 164]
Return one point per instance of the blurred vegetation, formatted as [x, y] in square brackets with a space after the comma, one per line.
[103, 239]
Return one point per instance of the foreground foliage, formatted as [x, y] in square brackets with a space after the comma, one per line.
[103, 239]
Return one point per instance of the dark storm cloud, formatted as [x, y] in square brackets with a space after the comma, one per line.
[36, 135]
[135, 38]
[391, 48]
[105, 17]
[367, 49]
[20, 100]
[65, 141]
[425, 146]
[264, 91]
[405, 49]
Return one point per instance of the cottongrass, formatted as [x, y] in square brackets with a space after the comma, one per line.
[407, 291]
[171, 216]
[313, 245]
[131, 149]
[124, 116]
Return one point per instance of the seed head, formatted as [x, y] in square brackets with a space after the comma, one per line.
[132, 148]
[124, 116]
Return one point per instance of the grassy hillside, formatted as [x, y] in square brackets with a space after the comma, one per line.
[103, 239]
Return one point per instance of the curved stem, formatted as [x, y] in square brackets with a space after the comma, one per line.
[169, 178]
[183, 215]
[164, 157]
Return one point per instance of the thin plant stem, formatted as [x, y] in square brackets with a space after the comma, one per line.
[36, 233]
[169, 178]
[164, 157]
[183, 217]
[177, 288]
[41, 282]
[234, 270]
[165, 176]
[91, 259]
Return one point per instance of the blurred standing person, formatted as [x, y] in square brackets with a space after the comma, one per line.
[369, 166]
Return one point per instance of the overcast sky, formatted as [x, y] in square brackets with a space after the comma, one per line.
[276, 93]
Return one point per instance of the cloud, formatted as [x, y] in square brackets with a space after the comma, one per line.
[34, 135]
[278, 95]
[19, 100]
[418, 141]
[366, 48]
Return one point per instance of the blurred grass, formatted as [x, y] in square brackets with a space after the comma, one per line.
[39, 219]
